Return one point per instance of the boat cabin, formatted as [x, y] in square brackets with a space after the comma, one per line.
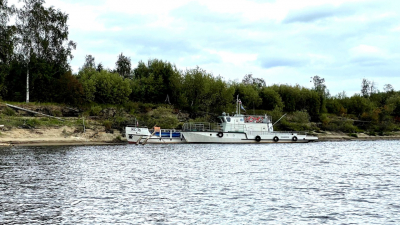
[243, 123]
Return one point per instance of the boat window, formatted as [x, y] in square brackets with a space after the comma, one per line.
[228, 119]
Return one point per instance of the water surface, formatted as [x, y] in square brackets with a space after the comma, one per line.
[316, 183]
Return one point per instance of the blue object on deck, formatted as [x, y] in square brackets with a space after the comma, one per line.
[167, 134]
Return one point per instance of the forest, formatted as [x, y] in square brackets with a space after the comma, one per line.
[34, 67]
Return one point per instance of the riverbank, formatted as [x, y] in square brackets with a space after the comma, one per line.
[59, 136]
[339, 136]
[70, 136]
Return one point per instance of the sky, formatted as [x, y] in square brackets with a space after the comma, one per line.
[281, 41]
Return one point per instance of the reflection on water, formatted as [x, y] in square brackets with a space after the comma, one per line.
[327, 182]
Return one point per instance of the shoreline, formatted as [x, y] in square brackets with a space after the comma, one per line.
[61, 136]
[56, 137]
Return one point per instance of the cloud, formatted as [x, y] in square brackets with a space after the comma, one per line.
[194, 12]
[281, 61]
[282, 41]
[311, 14]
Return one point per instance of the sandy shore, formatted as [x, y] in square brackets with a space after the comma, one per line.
[335, 136]
[68, 136]
[59, 136]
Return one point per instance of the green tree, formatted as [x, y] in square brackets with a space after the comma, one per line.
[70, 90]
[123, 66]
[43, 43]
[104, 86]
[248, 95]
[90, 62]
[394, 105]
[87, 78]
[156, 81]
[270, 99]
[7, 43]
[250, 80]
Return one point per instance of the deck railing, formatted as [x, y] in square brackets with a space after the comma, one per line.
[203, 126]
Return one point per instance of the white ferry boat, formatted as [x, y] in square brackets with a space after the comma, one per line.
[142, 135]
[241, 129]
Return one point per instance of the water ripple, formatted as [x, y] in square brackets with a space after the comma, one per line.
[327, 182]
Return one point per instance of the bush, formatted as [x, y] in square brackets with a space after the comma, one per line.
[163, 117]
[57, 113]
[353, 135]
[299, 117]
[131, 107]
[95, 110]
[107, 125]
[8, 111]
[32, 122]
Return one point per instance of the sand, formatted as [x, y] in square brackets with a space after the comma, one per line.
[59, 136]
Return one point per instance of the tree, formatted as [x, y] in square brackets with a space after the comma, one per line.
[43, 40]
[250, 80]
[319, 85]
[388, 88]
[367, 88]
[7, 42]
[123, 66]
[156, 80]
[248, 94]
[270, 99]
[104, 86]
[100, 67]
[90, 62]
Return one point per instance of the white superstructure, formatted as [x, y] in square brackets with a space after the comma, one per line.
[241, 129]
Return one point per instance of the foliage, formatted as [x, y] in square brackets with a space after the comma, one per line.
[248, 94]
[270, 99]
[104, 86]
[95, 110]
[248, 79]
[162, 117]
[123, 66]
[353, 135]
[155, 81]
[8, 111]
[32, 122]
[35, 47]
[202, 92]
[70, 90]
[90, 63]
[299, 117]
[107, 125]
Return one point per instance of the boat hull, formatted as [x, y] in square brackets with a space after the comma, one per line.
[242, 137]
[157, 140]
[142, 135]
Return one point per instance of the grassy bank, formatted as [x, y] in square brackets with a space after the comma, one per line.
[110, 118]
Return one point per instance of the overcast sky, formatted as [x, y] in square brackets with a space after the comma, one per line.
[281, 41]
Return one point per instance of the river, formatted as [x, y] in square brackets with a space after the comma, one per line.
[354, 182]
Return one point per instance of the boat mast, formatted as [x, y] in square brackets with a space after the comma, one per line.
[237, 105]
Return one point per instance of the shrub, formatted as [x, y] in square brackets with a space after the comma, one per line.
[57, 113]
[32, 122]
[8, 111]
[107, 125]
[299, 117]
[353, 135]
[95, 110]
